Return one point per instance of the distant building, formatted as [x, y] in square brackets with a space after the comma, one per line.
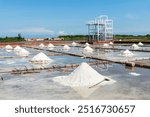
[44, 39]
[100, 29]
[58, 39]
[36, 39]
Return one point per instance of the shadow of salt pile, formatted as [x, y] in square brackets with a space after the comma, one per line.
[84, 80]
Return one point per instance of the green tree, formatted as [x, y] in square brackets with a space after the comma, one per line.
[19, 36]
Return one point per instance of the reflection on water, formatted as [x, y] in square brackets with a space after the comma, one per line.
[84, 92]
[134, 74]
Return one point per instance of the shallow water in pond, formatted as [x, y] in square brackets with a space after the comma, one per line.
[41, 85]
[115, 55]
[130, 84]
[144, 47]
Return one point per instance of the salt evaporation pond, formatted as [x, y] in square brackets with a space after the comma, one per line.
[3, 52]
[144, 47]
[107, 53]
[41, 86]
[117, 56]
[17, 62]
[130, 84]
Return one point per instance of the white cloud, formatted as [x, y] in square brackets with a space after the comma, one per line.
[61, 33]
[39, 30]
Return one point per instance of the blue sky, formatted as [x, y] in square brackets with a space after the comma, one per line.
[48, 18]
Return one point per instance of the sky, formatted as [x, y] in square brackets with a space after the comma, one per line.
[50, 18]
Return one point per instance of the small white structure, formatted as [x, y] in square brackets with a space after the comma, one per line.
[74, 44]
[105, 45]
[134, 46]
[41, 45]
[41, 58]
[127, 53]
[120, 40]
[66, 47]
[8, 47]
[84, 76]
[140, 44]
[23, 52]
[88, 49]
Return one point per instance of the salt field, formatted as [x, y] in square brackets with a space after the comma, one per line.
[106, 53]
[127, 83]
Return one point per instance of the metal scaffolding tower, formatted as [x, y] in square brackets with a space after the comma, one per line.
[100, 29]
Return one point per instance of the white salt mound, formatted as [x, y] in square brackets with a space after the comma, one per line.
[50, 45]
[66, 47]
[88, 49]
[83, 76]
[74, 44]
[140, 44]
[17, 48]
[41, 58]
[41, 45]
[134, 46]
[87, 44]
[111, 43]
[23, 52]
[127, 53]
[105, 45]
[8, 47]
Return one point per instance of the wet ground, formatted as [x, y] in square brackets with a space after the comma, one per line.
[41, 85]
[130, 83]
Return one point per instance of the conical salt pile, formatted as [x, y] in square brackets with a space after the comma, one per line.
[111, 43]
[134, 46]
[41, 58]
[83, 76]
[17, 49]
[41, 45]
[140, 44]
[23, 52]
[87, 44]
[66, 47]
[50, 45]
[105, 45]
[127, 53]
[88, 49]
[74, 44]
[8, 47]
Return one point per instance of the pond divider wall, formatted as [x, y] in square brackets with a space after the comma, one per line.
[53, 68]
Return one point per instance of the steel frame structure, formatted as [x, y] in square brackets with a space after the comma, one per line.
[100, 29]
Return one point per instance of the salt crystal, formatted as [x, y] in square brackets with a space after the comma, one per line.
[41, 58]
[83, 76]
